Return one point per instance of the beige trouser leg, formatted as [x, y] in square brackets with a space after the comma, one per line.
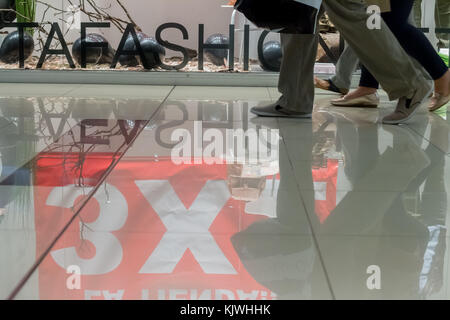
[345, 67]
[378, 49]
[348, 61]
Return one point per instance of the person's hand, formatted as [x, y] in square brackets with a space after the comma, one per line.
[232, 2]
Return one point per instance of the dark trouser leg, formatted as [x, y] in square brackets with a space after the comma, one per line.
[413, 40]
[367, 79]
[296, 82]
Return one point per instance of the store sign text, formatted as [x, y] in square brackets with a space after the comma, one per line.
[55, 32]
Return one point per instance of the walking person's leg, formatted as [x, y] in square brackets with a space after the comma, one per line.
[443, 21]
[297, 88]
[345, 67]
[416, 45]
[419, 47]
[377, 49]
[414, 41]
[366, 93]
[380, 52]
[296, 83]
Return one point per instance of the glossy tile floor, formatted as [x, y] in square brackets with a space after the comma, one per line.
[151, 193]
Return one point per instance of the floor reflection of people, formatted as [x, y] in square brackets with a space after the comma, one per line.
[10, 174]
[278, 252]
[409, 242]
[431, 210]
[373, 218]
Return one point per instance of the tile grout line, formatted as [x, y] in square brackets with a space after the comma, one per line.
[415, 132]
[36, 264]
[316, 242]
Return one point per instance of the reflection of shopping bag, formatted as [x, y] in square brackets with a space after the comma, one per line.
[243, 186]
[284, 16]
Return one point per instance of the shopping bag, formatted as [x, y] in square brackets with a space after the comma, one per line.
[284, 16]
[444, 58]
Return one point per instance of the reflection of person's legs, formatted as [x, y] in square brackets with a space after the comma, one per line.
[375, 205]
[290, 209]
[354, 146]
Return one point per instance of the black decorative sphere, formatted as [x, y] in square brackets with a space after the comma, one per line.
[219, 57]
[272, 54]
[153, 51]
[7, 16]
[9, 51]
[93, 55]
[131, 61]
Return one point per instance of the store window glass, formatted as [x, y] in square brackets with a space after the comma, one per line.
[169, 34]
[161, 35]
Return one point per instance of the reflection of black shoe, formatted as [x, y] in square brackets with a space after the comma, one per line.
[277, 256]
[264, 123]
[275, 110]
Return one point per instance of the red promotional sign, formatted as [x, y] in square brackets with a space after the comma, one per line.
[154, 230]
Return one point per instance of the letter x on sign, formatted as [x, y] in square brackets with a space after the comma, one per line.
[186, 228]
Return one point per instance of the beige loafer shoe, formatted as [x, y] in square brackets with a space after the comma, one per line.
[406, 108]
[367, 101]
[438, 101]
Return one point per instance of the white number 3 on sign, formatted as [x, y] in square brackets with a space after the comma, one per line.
[107, 247]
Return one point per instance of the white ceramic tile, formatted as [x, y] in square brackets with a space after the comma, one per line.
[210, 110]
[435, 127]
[408, 267]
